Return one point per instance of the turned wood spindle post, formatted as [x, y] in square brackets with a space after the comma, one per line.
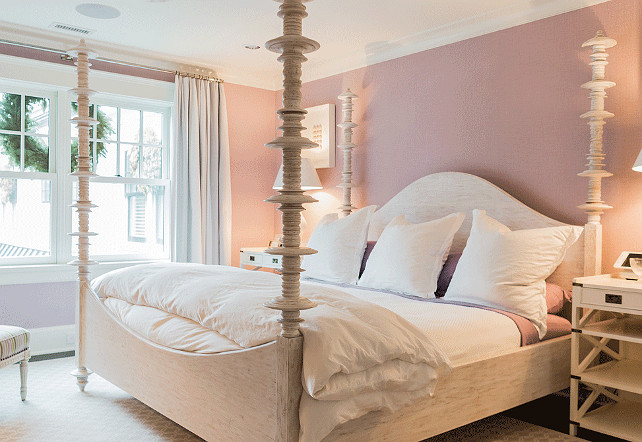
[291, 45]
[594, 205]
[348, 126]
[83, 205]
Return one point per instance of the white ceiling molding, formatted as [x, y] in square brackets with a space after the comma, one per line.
[519, 13]
[258, 72]
[54, 40]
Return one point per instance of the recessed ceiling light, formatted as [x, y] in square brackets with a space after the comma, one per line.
[96, 10]
[252, 47]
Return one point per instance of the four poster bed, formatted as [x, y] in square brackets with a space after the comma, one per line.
[255, 393]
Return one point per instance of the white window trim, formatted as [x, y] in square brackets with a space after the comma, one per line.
[16, 72]
[124, 103]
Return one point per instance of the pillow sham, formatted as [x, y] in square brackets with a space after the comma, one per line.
[556, 297]
[408, 258]
[340, 244]
[506, 269]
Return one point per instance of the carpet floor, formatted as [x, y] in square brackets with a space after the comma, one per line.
[55, 410]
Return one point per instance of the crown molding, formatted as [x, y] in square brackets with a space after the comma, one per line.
[518, 13]
[261, 78]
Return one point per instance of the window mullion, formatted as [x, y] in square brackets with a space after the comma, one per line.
[23, 129]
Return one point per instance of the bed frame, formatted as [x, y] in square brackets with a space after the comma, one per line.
[254, 394]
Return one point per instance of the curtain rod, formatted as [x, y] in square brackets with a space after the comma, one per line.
[64, 56]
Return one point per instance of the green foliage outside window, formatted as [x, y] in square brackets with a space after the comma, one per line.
[36, 154]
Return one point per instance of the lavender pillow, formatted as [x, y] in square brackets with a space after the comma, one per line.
[446, 274]
[369, 246]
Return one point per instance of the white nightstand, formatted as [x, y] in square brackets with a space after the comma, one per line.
[607, 311]
[256, 257]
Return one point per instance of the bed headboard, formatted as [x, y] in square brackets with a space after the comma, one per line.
[440, 194]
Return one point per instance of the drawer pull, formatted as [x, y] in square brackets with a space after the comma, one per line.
[275, 260]
[252, 258]
[612, 299]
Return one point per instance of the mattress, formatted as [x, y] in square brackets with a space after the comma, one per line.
[464, 334]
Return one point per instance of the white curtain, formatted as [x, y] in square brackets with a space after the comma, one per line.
[201, 195]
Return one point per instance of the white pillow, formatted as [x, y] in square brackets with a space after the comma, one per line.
[408, 257]
[506, 269]
[340, 244]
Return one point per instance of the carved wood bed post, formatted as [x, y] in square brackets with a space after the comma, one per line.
[83, 205]
[291, 45]
[594, 205]
[347, 97]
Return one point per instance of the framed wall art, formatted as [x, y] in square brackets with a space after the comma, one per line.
[320, 128]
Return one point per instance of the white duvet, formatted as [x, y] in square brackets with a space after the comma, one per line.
[357, 356]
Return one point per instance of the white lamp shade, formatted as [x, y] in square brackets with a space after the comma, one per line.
[638, 163]
[309, 178]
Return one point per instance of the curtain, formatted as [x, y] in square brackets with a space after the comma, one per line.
[201, 195]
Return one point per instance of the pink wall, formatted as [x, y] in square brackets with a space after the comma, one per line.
[504, 106]
[251, 121]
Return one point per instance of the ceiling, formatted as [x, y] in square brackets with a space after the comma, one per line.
[208, 35]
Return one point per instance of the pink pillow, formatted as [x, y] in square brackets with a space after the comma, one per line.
[556, 297]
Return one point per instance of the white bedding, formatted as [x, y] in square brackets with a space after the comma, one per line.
[357, 356]
[464, 334]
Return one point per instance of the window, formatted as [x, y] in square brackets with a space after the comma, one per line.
[130, 154]
[26, 169]
[129, 151]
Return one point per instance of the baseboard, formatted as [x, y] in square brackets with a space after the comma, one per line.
[49, 356]
[49, 340]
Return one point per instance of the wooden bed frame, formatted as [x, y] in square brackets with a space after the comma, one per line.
[254, 394]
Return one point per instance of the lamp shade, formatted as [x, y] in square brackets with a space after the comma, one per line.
[638, 163]
[309, 178]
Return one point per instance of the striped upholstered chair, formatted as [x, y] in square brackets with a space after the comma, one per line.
[14, 347]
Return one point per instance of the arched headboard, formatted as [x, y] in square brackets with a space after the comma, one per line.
[440, 194]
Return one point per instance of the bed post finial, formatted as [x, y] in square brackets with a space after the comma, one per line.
[291, 45]
[347, 98]
[82, 204]
[594, 206]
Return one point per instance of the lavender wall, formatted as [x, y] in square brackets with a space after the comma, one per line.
[504, 106]
[38, 305]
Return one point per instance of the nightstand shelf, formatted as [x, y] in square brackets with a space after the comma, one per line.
[624, 375]
[606, 356]
[623, 329]
[609, 419]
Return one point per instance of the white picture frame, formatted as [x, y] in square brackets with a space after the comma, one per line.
[320, 127]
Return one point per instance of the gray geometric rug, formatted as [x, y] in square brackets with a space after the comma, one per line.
[55, 410]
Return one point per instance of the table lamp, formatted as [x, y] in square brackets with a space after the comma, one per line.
[638, 163]
[309, 178]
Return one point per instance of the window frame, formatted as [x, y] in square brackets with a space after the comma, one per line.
[53, 94]
[62, 183]
[141, 105]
